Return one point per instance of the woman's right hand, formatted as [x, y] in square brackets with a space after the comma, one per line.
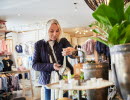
[57, 66]
[67, 51]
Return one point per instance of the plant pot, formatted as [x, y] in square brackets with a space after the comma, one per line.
[120, 62]
[96, 71]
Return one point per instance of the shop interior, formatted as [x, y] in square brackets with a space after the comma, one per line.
[23, 23]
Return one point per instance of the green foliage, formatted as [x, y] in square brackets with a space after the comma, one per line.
[106, 15]
[82, 76]
[65, 77]
[127, 14]
[114, 21]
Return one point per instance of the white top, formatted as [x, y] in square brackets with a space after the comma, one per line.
[54, 75]
[51, 43]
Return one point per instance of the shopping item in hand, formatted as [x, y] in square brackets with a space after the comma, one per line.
[64, 70]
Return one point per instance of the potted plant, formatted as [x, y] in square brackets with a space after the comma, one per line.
[116, 20]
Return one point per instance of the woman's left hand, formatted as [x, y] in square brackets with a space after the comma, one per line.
[67, 51]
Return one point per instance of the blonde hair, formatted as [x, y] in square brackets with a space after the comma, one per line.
[48, 25]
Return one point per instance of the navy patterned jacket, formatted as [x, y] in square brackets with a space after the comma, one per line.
[41, 61]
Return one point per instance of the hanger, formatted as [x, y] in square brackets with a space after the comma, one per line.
[6, 57]
[3, 75]
[9, 74]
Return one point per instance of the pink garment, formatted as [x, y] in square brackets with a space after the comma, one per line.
[9, 46]
[6, 47]
[88, 47]
[3, 46]
[21, 68]
[0, 46]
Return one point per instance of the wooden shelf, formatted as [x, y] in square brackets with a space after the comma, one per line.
[16, 72]
[4, 55]
[4, 31]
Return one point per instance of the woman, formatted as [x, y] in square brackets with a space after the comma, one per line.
[48, 54]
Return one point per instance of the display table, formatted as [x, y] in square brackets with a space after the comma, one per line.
[83, 86]
[87, 85]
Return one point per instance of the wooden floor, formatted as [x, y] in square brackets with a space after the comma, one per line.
[28, 94]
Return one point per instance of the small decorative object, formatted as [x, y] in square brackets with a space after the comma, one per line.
[77, 68]
[2, 25]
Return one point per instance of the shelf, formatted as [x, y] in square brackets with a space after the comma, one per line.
[4, 31]
[26, 71]
[4, 55]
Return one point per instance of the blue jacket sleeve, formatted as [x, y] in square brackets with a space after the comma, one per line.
[38, 64]
[65, 43]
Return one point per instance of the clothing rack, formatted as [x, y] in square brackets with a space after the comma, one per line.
[21, 72]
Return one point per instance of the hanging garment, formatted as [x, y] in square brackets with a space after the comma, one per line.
[7, 65]
[9, 47]
[102, 49]
[4, 83]
[31, 48]
[15, 83]
[88, 47]
[25, 49]
[0, 83]
[19, 61]
[4, 48]
[25, 62]
[1, 66]
[0, 47]
[30, 60]
[18, 49]
[9, 84]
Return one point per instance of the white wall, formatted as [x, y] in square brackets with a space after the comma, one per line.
[82, 40]
[31, 36]
[78, 41]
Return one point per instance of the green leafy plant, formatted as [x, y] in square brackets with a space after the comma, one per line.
[82, 76]
[65, 77]
[116, 21]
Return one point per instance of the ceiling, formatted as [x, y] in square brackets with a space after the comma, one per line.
[20, 12]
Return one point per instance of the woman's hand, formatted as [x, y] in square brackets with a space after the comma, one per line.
[57, 66]
[67, 51]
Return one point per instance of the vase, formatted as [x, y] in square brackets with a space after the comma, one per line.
[120, 63]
